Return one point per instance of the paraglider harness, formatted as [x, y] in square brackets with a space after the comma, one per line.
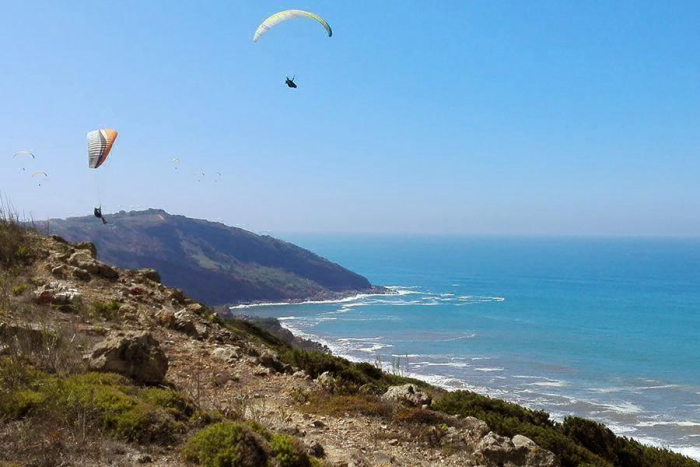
[98, 214]
[290, 82]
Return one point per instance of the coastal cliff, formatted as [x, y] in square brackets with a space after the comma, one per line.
[212, 262]
[106, 366]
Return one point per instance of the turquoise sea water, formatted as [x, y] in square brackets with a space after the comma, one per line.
[603, 328]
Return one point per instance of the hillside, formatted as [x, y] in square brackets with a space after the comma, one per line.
[212, 262]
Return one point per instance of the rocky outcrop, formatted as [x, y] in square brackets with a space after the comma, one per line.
[499, 451]
[136, 355]
[535, 456]
[59, 294]
[150, 274]
[408, 395]
[466, 436]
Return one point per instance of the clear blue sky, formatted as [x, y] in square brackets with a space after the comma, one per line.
[489, 117]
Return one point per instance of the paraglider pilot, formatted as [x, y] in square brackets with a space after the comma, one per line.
[290, 82]
[98, 214]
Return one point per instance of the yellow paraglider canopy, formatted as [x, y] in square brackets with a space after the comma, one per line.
[282, 16]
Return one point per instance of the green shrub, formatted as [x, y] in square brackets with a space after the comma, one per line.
[255, 427]
[508, 419]
[107, 401]
[20, 403]
[206, 417]
[620, 451]
[105, 310]
[576, 441]
[175, 403]
[226, 444]
[18, 290]
[289, 452]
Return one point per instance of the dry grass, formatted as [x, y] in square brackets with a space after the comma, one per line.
[16, 240]
[339, 405]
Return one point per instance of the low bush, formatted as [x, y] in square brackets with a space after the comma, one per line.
[352, 375]
[19, 289]
[620, 451]
[226, 444]
[108, 402]
[104, 310]
[576, 441]
[245, 444]
[289, 452]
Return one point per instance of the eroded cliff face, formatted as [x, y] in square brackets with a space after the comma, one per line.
[105, 366]
[213, 263]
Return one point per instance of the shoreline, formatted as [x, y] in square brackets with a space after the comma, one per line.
[442, 382]
[327, 297]
[449, 383]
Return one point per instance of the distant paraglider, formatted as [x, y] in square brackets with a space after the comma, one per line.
[290, 82]
[41, 175]
[176, 161]
[282, 16]
[99, 145]
[23, 155]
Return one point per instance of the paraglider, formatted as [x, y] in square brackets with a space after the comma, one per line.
[40, 174]
[23, 155]
[98, 214]
[99, 145]
[282, 16]
[176, 161]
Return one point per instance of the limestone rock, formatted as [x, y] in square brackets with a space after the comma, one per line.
[226, 354]
[496, 451]
[190, 324]
[58, 239]
[81, 274]
[84, 259]
[58, 271]
[56, 293]
[328, 382]
[407, 394]
[136, 355]
[150, 274]
[177, 296]
[166, 318]
[535, 456]
[270, 360]
[89, 246]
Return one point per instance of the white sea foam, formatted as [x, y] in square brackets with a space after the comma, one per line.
[686, 424]
[552, 384]
[351, 298]
[374, 348]
[488, 370]
[623, 407]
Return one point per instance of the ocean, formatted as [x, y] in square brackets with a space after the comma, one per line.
[607, 329]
